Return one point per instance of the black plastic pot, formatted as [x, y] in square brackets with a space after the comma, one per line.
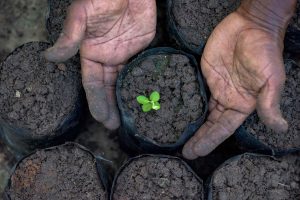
[183, 39]
[178, 36]
[104, 179]
[145, 156]
[255, 137]
[247, 142]
[292, 40]
[57, 12]
[129, 136]
[20, 138]
[242, 160]
[292, 37]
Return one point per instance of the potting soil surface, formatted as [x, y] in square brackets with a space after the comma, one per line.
[37, 94]
[181, 103]
[290, 106]
[258, 178]
[65, 172]
[157, 178]
[196, 19]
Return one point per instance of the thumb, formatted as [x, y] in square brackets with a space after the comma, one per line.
[268, 102]
[68, 43]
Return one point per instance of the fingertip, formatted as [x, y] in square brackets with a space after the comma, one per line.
[275, 122]
[47, 54]
[112, 124]
[113, 121]
[201, 150]
[284, 126]
[99, 114]
[188, 152]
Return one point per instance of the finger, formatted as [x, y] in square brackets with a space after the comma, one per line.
[93, 83]
[213, 117]
[208, 139]
[110, 78]
[68, 43]
[268, 103]
[212, 104]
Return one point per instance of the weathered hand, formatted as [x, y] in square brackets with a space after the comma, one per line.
[243, 65]
[108, 33]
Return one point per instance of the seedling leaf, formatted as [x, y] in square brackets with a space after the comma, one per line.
[142, 100]
[156, 106]
[154, 96]
[147, 107]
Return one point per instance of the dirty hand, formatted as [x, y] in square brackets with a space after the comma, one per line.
[243, 65]
[108, 33]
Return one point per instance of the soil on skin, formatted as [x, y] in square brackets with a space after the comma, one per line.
[65, 172]
[196, 19]
[290, 106]
[36, 94]
[258, 178]
[175, 79]
[156, 179]
[57, 16]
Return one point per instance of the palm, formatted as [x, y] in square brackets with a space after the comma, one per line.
[108, 33]
[243, 66]
[113, 36]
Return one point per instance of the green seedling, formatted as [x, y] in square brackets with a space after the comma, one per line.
[150, 103]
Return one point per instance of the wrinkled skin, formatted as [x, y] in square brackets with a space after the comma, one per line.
[243, 65]
[108, 33]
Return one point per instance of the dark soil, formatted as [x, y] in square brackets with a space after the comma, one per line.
[3, 54]
[175, 79]
[259, 178]
[57, 15]
[36, 94]
[205, 166]
[290, 106]
[156, 179]
[64, 172]
[295, 22]
[162, 38]
[196, 19]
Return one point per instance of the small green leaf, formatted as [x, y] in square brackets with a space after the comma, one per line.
[147, 107]
[154, 96]
[142, 100]
[155, 106]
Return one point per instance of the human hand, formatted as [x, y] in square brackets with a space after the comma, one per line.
[108, 33]
[243, 65]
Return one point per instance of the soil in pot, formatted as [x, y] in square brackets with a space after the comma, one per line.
[37, 95]
[21, 21]
[162, 38]
[295, 21]
[63, 172]
[196, 19]
[56, 18]
[259, 178]
[157, 178]
[290, 106]
[292, 41]
[175, 79]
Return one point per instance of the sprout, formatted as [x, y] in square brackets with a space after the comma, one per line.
[151, 103]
